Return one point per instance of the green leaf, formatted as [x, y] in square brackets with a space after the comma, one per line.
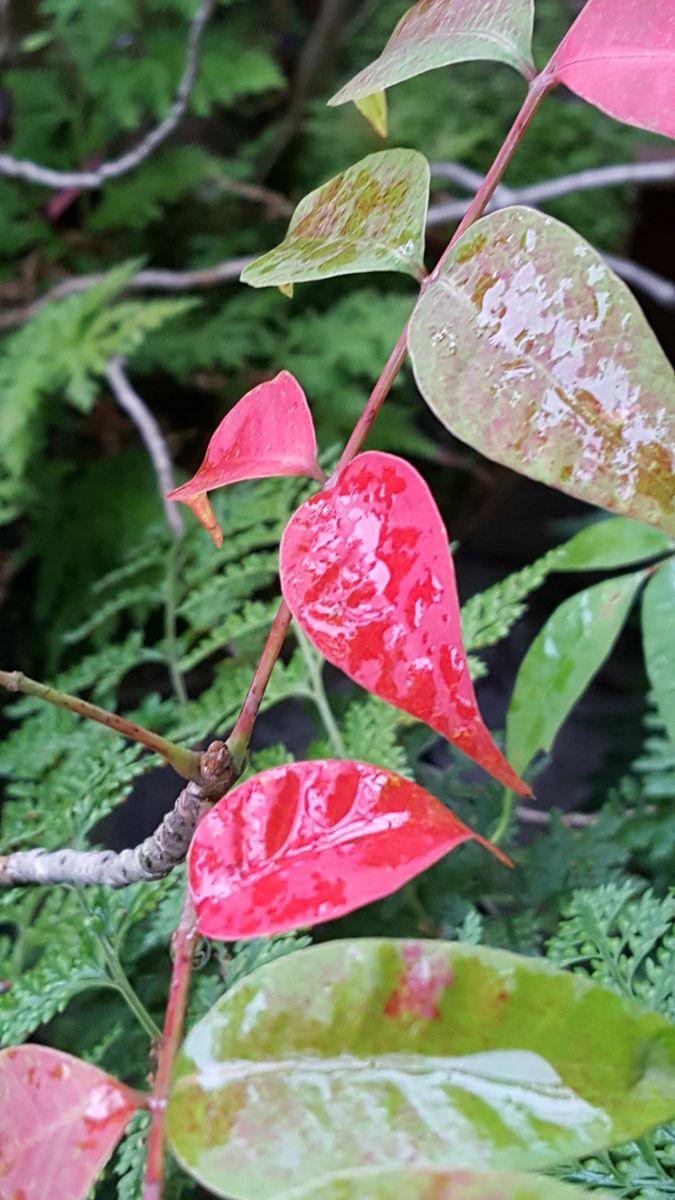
[428, 1055]
[436, 33]
[531, 350]
[407, 1183]
[369, 218]
[561, 662]
[374, 109]
[658, 631]
[615, 542]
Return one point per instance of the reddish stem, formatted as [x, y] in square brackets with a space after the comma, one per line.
[241, 734]
[183, 946]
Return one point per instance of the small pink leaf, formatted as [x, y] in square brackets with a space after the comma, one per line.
[367, 573]
[311, 841]
[269, 432]
[60, 1120]
[621, 57]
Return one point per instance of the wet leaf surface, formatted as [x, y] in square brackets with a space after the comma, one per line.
[658, 630]
[562, 660]
[367, 573]
[310, 841]
[268, 432]
[531, 350]
[436, 33]
[622, 59]
[426, 1055]
[369, 218]
[615, 542]
[406, 1183]
[60, 1120]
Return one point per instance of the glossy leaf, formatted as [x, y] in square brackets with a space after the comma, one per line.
[562, 660]
[427, 1055]
[310, 841]
[367, 573]
[658, 629]
[369, 218]
[407, 1183]
[531, 350]
[615, 542]
[622, 59]
[437, 33]
[268, 432]
[374, 109]
[60, 1120]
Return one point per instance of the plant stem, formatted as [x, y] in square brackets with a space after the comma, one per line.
[183, 946]
[240, 737]
[184, 762]
[135, 1004]
[315, 672]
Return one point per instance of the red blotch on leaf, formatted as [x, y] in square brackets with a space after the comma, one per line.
[422, 985]
[268, 432]
[367, 573]
[311, 841]
[60, 1120]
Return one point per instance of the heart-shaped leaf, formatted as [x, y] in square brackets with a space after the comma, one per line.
[427, 1055]
[407, 1183]
[367, 573]
[60, 1120]
[621, 57]
[436, 33]
[561, 662]
[369, 218]
[268, 432]
[310, 841]
[658, 631]
[531, 350]
[615, 542]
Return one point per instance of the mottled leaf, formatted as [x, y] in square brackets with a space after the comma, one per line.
[436, 33]
[369, 218]
[615, 542]
[561, 662]
[367, 573]
[621, 57]
[408, 1183]
[310, 841]
[60, 1120]
[531, 350]
[658, 631]
[374, 109]
[427, 1055]
[268, 432]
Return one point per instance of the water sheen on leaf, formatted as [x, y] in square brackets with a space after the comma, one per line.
[369, 218]
[561, 662]
[60, 1120]
[436, 33]
[614, 542]
[367, 573]
[621, 57]
[310, 841]
[407, 1183]
[268, 432]
[658, 632]
[426, 1055]
[531, 350]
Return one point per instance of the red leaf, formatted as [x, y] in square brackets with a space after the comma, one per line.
[311, 841]
[367, 574]
[60, 1120]
[620, 56]
[269, 432]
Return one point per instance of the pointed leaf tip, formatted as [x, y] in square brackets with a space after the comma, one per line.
[367, 573]
[268, 432]
[374, 109]
[311, 841]
[372, 217]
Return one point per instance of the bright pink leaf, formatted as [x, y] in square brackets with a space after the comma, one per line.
[60, 1120]
[311, 841]
[269, 432]
[367, 573]
[620, 56]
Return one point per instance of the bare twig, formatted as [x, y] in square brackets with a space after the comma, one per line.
[535, 816]
[15, 168]
[152, 437]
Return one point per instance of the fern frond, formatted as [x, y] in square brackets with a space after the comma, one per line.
[489, 616]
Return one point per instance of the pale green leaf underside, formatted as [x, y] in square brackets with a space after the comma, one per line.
[658, 630]
[531, 350]
[431, 1055]
[369, 218]
[437, 33]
